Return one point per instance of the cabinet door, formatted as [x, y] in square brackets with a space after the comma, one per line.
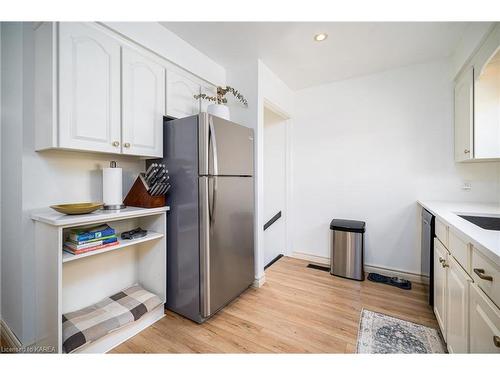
[457, 302]
[143, 90]
[484, 323]
[180, 96]
[440, 258]
[464, 114]
[89, 89]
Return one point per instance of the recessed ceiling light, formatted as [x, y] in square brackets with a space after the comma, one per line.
[320, 37]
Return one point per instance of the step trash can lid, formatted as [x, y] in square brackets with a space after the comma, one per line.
[354, 226]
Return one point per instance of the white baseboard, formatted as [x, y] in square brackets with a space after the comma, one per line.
[311, 258]
[9, 337]
[414, 277]
[258, 282]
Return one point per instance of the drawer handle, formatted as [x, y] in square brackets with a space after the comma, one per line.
[496, 341]
[480, 273]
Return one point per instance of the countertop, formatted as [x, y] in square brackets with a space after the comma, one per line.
[52, 217]
[485, 241]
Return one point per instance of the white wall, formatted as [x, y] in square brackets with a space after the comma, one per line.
[274, 183]
[367, 149]
[259, 85]
[11, 176]
[165, 43]
[32, 180]
[0, 173]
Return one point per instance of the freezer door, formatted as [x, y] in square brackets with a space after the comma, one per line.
[225, 148]
[227, 260]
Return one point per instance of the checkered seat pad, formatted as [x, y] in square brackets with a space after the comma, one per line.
[91, 323]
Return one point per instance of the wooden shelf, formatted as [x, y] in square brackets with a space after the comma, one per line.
[67, 257]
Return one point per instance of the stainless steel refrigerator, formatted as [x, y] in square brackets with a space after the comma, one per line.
[210, 253]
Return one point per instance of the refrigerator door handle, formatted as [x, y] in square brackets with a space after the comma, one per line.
[213, 203]
[204, 247]
[214, 145]
[213, 142]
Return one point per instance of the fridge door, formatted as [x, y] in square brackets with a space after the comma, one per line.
[225, 148]
[183, 273]
[227, 246]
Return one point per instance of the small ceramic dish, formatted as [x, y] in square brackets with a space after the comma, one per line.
[77, 208]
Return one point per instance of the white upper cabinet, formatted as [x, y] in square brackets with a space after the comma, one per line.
[487, 109]
[180, 96]
[89, 89]
[464, 116]
[477, 103]
[143, 105]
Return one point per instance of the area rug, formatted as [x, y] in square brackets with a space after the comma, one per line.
[384, 334]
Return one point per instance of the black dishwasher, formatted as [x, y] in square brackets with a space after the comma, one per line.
[427, 254]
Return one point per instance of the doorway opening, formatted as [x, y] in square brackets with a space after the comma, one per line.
[275, 186]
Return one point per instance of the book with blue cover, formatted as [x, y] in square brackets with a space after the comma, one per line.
[91, 233]
[90, 244]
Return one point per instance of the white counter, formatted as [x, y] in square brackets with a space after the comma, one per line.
[52, 217]
[485, 241]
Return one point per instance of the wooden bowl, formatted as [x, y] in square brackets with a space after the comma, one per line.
[77, 208]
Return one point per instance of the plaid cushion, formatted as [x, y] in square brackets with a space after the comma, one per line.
[91, 323]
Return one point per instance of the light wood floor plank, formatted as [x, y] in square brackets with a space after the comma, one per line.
[298, 310]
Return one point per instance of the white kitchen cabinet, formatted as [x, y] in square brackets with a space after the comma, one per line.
[96, 91]
[89, 89]
[440, 285]
[143, 101]
[464, 116]
[457, 307]
[180, 96]
[484, 323]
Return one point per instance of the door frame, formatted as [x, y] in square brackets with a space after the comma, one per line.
[268, 104]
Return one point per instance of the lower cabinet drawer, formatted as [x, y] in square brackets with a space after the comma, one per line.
[460, 249]
[441, 230]
[487, 276]
[484, 334]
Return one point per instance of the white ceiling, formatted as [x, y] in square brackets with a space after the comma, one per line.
[351, 49]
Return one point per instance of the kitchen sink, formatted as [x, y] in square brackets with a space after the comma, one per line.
[485, 222]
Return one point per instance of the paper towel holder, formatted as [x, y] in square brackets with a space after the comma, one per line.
[112, 164]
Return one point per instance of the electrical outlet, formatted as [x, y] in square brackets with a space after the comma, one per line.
[467, 186]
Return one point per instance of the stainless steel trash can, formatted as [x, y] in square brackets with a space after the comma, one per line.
[348, 245]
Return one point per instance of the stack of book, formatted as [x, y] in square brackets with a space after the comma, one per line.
[82, 240]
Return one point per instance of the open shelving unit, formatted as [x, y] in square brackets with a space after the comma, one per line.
[67, 282]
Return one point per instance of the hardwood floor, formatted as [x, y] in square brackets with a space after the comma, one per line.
[298, 310]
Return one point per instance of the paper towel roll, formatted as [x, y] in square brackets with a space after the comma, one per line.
[112, 186]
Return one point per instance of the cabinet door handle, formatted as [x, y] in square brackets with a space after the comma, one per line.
[126, 145]
[116, 143]
[480, 273]
[441, 260]
[445, 265]
[496, 341]
[466, 151]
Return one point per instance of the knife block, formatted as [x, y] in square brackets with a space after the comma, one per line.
[138, 196]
